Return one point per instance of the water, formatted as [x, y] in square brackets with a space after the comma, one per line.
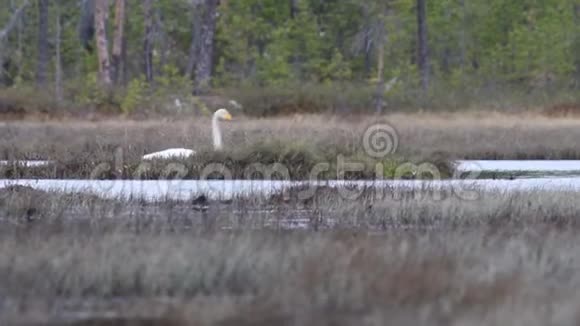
[541, 166]
[28, 164]
[220, 189]
[224, 189]
[462, 165]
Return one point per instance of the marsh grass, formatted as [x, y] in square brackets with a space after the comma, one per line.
[417, 257]
[268, 160]
[490, 135]
[388, 259]
[405, 257]
[114, 150]
[316, 208]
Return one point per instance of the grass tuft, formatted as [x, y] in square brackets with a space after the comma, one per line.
[379, 258]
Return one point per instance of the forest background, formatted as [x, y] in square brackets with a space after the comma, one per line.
[285, 56]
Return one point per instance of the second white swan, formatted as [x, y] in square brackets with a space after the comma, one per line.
[221, 114]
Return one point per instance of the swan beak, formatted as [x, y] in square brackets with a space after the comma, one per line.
[228, 117]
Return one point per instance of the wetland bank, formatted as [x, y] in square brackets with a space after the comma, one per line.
[287, 260]
[299, 143]
[180, 254]
[299, 162]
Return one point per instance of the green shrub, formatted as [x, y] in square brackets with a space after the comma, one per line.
[302, 98]
[135, 95]
[297, 159]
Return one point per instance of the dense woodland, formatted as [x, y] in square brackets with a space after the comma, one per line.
[369, 54]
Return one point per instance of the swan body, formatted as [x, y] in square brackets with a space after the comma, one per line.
[170, 153]
[221, 114]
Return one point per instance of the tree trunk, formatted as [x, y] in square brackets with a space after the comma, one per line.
[463, 36]
[148, 40]
[381, 39]
[3, 81]
[118, 41]
[124, 67]
[576, 10]
[367, 39]
[87, 24]
[381, 60]
[20, 43]
[101, 16]
[43, 55]
[379, 95]
[58, 61]
[423, 48]
[13, 21]
[162, 37]
[203, 71]
[293, 8]
[195, 35]
[368, 47]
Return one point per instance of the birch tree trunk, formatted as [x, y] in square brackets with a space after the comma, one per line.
[203, 71]
[43, 55]
[13, 21]
[4, 32]
[20, 42]
[367, 48]
[463, 36]
[58, 60]
[576, 40]
[101, 16]
[148, 40]
[118, 41]
[423, 49]
[162, 37]
[381, 40]
[195, 35]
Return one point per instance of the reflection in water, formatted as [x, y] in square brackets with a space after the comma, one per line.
[28, 164]
[520, 166]
[220, 189]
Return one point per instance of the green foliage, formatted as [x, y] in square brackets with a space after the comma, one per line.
[274, 158]
[336, 69]
[135, 95]
[87, 90]
[171, 82]
[474, 44]
[169, 85]
[291, 98]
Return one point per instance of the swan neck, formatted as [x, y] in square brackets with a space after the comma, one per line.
[216, 133]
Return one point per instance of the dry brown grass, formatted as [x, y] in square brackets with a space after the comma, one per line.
[86, 261]
[463, 135]
[312, 279]
[563, 110]
[490, 136]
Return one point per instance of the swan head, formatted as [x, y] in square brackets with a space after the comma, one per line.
[222, 114]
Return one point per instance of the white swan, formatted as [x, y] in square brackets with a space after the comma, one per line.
[221, 114]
